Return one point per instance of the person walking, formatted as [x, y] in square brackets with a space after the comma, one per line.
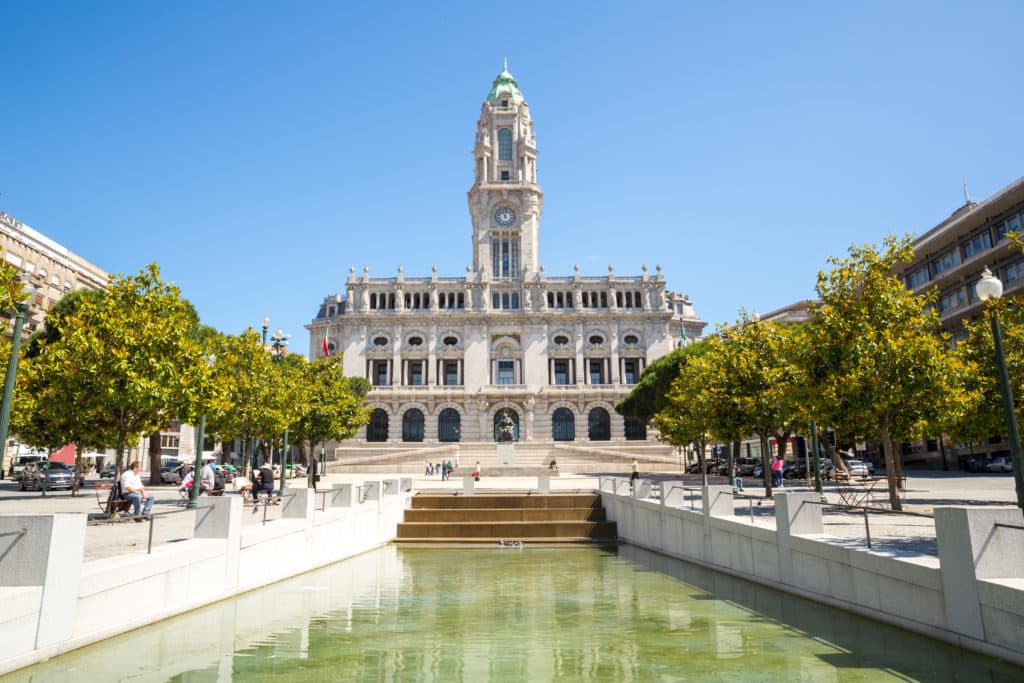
[476, 471]
[777, 472]
[737, 483]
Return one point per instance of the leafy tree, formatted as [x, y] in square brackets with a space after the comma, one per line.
[331, 409]
[120, 365]
[685, 417]
[976, 353]
[877, 363]
[650, 395]
[260, 397]
[751, 384]
[10, 294]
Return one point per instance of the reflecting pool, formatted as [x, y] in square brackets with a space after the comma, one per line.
[508, 614]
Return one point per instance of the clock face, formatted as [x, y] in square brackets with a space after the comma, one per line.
[505, 216]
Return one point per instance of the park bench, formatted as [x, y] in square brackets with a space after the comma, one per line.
[105, 490]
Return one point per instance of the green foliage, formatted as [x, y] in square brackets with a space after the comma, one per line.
[976, 354]
[115, 368]
[650, 395]
[874, 358]
[261, 398]
[50, 332]
[330, 407]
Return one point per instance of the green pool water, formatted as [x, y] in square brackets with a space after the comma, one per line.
[531, 614]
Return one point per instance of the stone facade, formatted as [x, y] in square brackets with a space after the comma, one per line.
[51, 268]
[447, 356]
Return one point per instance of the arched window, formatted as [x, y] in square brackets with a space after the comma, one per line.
[448, 423]
[515, 421]
[636, 429]
[377, 430]
[412, 425]
[505, 144]
[563, 425]
[599, 425]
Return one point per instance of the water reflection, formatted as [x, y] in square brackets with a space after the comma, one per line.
[535, 614]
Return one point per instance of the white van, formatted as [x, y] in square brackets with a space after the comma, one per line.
[37, 458]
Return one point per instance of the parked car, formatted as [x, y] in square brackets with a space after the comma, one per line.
[108, 471]
[999, 464]
[170, 472]
[791, 470]
[856, 468]
[53, 475]
[708, 464]
[746, 466]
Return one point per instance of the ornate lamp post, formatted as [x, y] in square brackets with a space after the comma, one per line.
[194, 494]
[266, 325]
[989, 287]
[279, 342]
[12, 370]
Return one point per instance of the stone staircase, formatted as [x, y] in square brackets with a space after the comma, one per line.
[506, 517]
[588, 457]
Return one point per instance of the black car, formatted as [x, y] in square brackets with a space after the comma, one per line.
[108, 471]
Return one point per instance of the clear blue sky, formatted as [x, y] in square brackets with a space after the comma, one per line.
[257, 150]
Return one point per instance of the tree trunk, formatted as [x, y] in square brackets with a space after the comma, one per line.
[154, 459]
[766, 463]
[833, 455]
[77, 478]
[118, 466]
[891, 476]
[703, 470]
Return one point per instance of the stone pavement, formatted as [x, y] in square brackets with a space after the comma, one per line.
[898, 534]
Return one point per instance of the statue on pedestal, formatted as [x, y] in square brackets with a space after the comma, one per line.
[506, 428]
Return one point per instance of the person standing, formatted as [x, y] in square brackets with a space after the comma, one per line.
[634, 475]
[207, 478]
[737, 483]
[777, 472]
[476, 471]
[133, 490]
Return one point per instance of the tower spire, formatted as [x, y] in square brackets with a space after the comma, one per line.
[504, 64]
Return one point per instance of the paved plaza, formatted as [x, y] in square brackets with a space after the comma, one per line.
[893, 534]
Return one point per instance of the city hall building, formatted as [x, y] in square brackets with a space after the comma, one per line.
[448, 356]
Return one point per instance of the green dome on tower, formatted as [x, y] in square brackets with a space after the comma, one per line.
[505, 87]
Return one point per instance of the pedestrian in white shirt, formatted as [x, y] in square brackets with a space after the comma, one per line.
[133, 490]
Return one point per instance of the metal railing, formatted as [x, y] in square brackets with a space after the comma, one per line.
[865, 509]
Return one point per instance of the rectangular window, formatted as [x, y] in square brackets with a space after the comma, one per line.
[1015, 272]
[504, 259]
[495, 301]
[515, 258]
[952, 302]
[416, 374]
[945, 262]
[496, 257]
[506, 372]
[629, 372]
[918, 278]
[561, 372]
[977, 245]
[1011, 224]
[504, 175]
[380, 373]
[451, 373]
[596, 372]
[505, 300]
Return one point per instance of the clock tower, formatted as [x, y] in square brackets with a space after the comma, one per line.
[505, 201]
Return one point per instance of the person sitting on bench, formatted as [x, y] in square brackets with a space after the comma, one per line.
[133, 490]
[207, 479]
[266, 484]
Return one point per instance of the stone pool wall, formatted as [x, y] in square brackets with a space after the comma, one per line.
[971, 595]
[52, 602]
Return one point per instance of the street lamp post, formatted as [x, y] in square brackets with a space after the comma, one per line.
[989, 287]
[266, 325]
[193, 497]
[12, 369]
[279, 341]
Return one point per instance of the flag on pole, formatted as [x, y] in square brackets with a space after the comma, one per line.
[325, 347]
[682, 332]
